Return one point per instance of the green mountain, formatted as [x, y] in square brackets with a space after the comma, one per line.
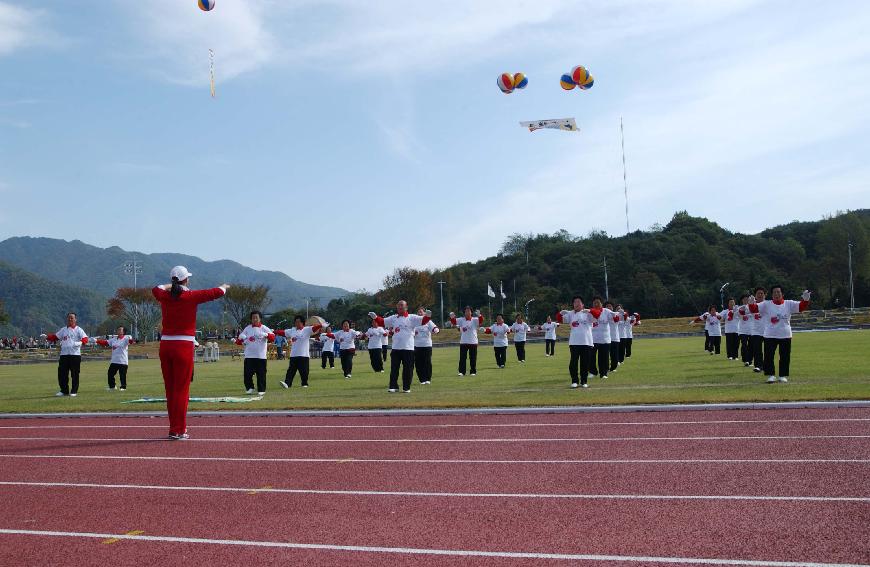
[101, 270]
[35, 305]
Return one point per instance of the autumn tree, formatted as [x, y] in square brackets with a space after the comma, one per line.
[414, 286]
[137, 307]
[241, 299]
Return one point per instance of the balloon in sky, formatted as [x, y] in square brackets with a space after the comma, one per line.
[588, 84]
[520, 81]
[206, 5]
[579, 74]
[567, 82]
[505, 82]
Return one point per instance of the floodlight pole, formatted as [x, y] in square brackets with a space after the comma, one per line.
[134, 267]
[441, 286]
[851, 281]
[624, 174]
[606, 289]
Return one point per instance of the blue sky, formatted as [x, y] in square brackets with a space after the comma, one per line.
[350, 138]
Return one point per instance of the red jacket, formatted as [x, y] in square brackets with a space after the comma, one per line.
[179, 314]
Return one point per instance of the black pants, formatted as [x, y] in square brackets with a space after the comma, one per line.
[120, 369]
[256, 366]
[627, 342]
[757, 342]
[346, 356]
[732, 345]
[745, 349]
[715, 344]
[707, 340]
[500, 355]
[384, 350]
[405, 359]
[621, 351]
[423, 363]
[614, 354]
[470, 352]
[550, 346]
[327, 355]
[376, 360]
[581, 354]
[600, 360]
[521, 350]
[300, 363]
[69, 364]
[770, 346]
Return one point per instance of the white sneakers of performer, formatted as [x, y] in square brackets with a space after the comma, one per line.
[406, 391]
[756, 369]
[73, 395]
[175, 437]
[474, 374]
[460, 374]
[783, 378]
[393, 390]
[575, 385]
[604, 377]
[261, 393]
[426, 382]
[584, 385]
[382, 371]
[746, 364]
[284, 384]
[249, 391]
[711, 353]
[123, 389]
[59, 395]
[523, 361]
[111, 389]
[771, 379]
[304, 385]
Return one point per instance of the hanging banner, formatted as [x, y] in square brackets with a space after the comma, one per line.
[566, 124]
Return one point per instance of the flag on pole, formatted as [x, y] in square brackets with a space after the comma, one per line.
[566, 124]
[501, 290]
[211, 71]
[489, 291]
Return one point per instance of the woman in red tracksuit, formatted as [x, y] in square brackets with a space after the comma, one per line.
[178, 306]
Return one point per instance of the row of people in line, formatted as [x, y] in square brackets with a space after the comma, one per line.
[754, 330]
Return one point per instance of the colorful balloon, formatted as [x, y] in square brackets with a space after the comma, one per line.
[520, 81]
[505, 82]
[588, 84]
[579, 74]
[567, 82]
[206, 5]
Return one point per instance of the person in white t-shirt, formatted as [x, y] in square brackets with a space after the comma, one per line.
[777, 314]
[299, 360]
[712, 324]
[423, 348]
[744, 330]
[71, 339]
[549, 329]
[468, 340]
[120, 358]
[346, 338]
[376, 337]
[614, 335]
[758, 327]
[579, 341]
[327, 353]
[255, 337]
[499, 332]
[732, 320]
[599, 362]
[519, 329]
[402, 326]
[385, 346]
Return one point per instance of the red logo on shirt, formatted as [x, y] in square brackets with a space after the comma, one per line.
[251, 339]
[575, 324]
[774, 320]
[757, 316]
[594, 323]
[464, 329]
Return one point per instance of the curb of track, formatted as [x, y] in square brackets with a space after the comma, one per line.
[469, 411]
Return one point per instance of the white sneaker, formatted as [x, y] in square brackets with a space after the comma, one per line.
[284, 384]
[523, 361]
[59, 395]
[746, 364]
[406, 391]
[575, 385]
[783, 378]
[249, 391]
[604, 377]
[460, 374]
[261, 393]
[771, 379]
[348, 376]
[584, 385]
[393, 390]
[382, 371]
[304, 385]
[427, 382]
[73, 395]
[474, 374]
[123, 389]
[111, 389]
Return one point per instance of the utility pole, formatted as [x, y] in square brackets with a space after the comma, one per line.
[441, 286]
[851, 281]
[606, 289]
[515, 295]
[624, 174]
[134, 267]
[308, 304]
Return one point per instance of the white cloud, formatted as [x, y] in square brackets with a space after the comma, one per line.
[19, 28]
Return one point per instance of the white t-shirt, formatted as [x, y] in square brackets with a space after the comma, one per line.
[744, 321]
[70, 339]
[328, 342]
[377, 337]
[403, 327]
[347, 339]
[757, 322]
[519, 330]
[256, 341]
[423, 334]
[300, 345]
[629, 327]
[549, 330]
[601, 327]
[777, 317]
[581, 327]
[732, 320]
[712, 324]
[499, 334]
[614, 326]
[119, 349]
[468, 329]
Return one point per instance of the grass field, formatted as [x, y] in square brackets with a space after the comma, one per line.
[825, 366]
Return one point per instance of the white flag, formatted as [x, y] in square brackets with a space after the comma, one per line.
[567, 124]
[501, 290]
[489, 291]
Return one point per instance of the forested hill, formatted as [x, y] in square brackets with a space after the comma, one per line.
[669, 270]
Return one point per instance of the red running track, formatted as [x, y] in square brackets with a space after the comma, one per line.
[640, 488]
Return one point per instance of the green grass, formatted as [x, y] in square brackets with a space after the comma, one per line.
[832, 365]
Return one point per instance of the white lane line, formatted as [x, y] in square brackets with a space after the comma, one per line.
[414, 494]
[457, 440]
[426, 551]
[345, 460]
[452, 425]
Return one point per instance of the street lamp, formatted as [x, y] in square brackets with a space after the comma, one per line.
[526, 308]
[134, 267]
[441, 285]
[722, 295]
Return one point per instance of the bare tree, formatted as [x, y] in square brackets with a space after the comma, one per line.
[241, 299]
[137, 307]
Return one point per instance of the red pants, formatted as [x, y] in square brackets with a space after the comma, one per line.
[176, 362]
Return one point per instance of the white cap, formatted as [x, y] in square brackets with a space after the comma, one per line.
[179, 272]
